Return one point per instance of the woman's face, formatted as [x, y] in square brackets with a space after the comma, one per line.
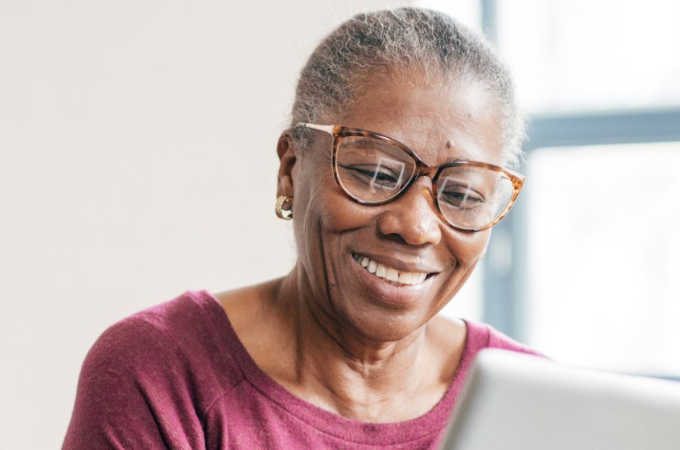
[332, 231]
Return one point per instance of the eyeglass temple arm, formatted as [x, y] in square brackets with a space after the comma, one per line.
[325, 128]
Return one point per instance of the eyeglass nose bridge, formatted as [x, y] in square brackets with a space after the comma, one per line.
[423, 170]
[431, 172]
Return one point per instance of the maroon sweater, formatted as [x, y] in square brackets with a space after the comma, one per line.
[177, 376]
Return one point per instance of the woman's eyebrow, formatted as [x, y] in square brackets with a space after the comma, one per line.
[364, 142]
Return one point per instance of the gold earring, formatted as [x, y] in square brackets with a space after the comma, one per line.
[281, 212]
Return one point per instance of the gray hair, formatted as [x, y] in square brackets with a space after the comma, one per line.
[385, 42]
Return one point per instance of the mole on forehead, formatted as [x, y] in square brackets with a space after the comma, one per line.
[462, 148]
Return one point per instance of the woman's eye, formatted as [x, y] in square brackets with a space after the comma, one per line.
[461, 198]
[374, 176]
[383, 177]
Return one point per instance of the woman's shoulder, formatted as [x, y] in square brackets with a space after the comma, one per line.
[177, 340]
[175, 344]
[194, 334]
[153, 373]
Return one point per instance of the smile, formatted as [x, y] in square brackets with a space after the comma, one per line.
[388, 273]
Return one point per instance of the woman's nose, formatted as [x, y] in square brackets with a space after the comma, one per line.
[413, 216]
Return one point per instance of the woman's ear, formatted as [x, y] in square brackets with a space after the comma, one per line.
[287, 159]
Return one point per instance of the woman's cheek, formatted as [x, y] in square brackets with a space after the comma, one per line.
[468, 247]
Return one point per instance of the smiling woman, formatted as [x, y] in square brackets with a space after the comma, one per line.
[394, 169]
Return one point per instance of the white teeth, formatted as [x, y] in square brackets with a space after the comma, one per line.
[380, 271]
[372, 266]
[406, 278]
[390, 274]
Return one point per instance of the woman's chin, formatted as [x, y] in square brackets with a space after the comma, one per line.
[381, 310]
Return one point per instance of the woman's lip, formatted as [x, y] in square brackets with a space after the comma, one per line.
[400, 264]
[387, 292]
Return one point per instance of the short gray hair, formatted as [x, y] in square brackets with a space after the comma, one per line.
[384, 42]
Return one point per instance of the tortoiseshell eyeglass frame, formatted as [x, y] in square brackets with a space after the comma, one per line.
[339, 132]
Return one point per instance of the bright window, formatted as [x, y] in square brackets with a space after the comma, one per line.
[604, 256]
[581, 55]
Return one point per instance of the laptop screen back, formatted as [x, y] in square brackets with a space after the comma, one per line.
[515, 401]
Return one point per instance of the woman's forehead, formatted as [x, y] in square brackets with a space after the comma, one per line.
[439, 121]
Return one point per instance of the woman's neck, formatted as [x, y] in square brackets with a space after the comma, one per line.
[338, 369]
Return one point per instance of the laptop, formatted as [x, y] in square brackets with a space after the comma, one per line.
[515, 401]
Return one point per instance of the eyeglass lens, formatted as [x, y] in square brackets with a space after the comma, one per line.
[373, 171]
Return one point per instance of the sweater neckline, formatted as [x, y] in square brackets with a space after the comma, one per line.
[392, 433]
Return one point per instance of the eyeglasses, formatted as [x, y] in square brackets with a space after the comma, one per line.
[374, 169]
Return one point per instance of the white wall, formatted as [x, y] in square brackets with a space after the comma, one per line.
[137, 160]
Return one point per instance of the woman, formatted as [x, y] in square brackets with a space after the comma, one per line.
[391, 172]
